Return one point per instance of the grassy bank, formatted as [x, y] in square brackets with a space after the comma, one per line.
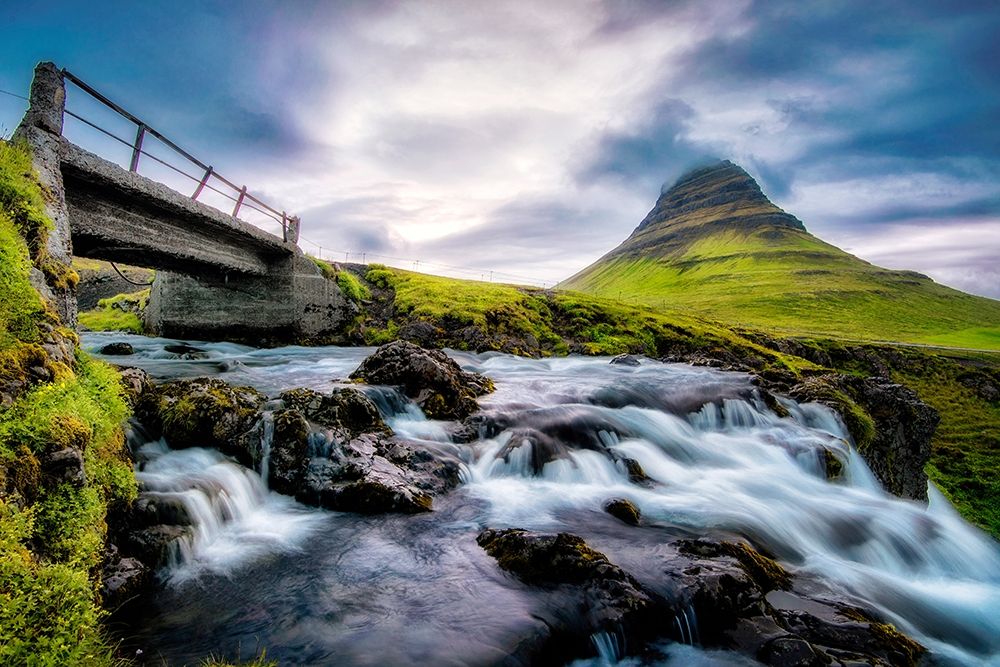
[55, 400]
[117, 313]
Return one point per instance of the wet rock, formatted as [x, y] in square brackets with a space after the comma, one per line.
[122, 578]
[334, 451]
[434, 381]
[623, 510]
[626, 360]
[185, 351]
[609, 598]
[726, 584]
[207, 412]
[151, 510]
[891, 426]
[153, 545]
[347, 409]
[117, 349]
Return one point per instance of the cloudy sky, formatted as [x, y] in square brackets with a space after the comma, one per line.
[528, 138]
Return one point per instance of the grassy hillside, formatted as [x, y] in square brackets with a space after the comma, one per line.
[791, 282]
[715, 246]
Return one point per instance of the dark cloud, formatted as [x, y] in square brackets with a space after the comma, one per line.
[650, 154]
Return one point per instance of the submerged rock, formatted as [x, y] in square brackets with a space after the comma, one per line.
[608, 599]
[626, 360]
[434, 381]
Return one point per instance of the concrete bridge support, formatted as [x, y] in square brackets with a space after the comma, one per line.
[294, 303]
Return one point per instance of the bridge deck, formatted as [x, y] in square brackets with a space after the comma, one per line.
[120, 215]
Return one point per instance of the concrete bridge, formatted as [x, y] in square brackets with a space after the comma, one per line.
[217, 276]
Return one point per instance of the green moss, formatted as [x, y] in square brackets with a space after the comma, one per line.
[351, 287]
[51, 535]
[328, 271]
[111, 320]
[381, 336]
[121, 312]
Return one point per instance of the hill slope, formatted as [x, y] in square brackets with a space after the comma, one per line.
[716, 245]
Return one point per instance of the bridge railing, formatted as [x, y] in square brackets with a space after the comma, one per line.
[205, 176]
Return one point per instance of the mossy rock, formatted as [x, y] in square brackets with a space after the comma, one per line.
[623, 510]
[208, 412]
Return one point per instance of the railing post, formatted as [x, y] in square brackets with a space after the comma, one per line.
[239, 201]
[140, 134]
[292, 230]
[204, 181]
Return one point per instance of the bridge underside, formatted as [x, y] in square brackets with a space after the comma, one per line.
[120, 216]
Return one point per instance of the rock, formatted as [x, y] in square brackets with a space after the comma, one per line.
[152, 510]
[434, 381]
[891, 426]
[185, 351]
[985, 386]
[347, 409]
[623, 510]
[608, 598]
[138, 385]
[334, 451]
[119, 348]
[289, 452]
[726, 586]
[208, 412]
[626, 360]
[122, 579]
[152, 545]
[64, 466]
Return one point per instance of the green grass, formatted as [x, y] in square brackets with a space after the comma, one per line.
[117, 313]
[790, 282]
[534, 322]
[349, 285]
[51, 535]
[965, 453]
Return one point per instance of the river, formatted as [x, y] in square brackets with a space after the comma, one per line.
[321, 587]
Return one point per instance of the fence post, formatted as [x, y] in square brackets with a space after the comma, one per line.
[204, 180]
[137, 148]
[239, 201]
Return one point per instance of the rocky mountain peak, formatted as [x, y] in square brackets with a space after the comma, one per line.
[717, 192]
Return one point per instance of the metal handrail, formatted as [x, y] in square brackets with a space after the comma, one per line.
[144, 128]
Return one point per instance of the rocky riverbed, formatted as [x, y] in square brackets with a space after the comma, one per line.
[400, 506]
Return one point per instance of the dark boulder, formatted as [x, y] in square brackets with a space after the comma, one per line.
[117, 349]
[122, 579]
[335, 451]
[608, 598]
[434, 381]
[138, 385]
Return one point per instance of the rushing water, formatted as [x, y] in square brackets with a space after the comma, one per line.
[318, 587]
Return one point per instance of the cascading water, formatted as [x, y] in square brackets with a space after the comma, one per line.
[560, 438]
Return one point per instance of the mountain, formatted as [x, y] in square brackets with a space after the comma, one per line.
[715, 244]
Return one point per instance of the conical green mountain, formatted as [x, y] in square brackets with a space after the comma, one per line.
[716, 245]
